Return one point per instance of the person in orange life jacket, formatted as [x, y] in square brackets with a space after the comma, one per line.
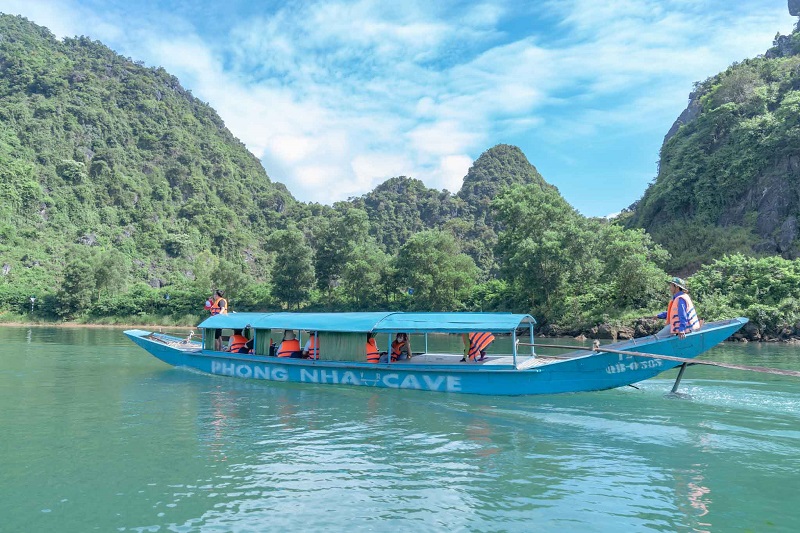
[373, 354]
[290, 347]
[311, 349]
[238, 343]
[219, 307]
[401, 347]
[475, 345]
[680, 314]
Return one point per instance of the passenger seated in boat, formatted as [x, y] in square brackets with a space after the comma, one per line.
[373, 354]
[290, 347]
[311, 349]
[401, 347]
[475, 345]
[238, 343]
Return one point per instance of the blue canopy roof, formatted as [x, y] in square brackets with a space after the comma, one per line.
[379, 322]
[232, 320]
[452, 322]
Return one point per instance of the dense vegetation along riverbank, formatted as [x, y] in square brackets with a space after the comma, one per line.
[766, 290]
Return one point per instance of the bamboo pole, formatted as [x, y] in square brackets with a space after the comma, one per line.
[596, 348]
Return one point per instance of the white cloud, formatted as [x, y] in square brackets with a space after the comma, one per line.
[441, 138]
[451, 171]
[62, 20]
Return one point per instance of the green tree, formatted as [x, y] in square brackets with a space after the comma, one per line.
[111, 272]
[631, 265]
[564, 267]
[441, 277]
[541, 234]
[336, 242]
[293, 270]
[78, 288]
[363, 275]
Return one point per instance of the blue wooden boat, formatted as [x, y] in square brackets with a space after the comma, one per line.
[342, 356]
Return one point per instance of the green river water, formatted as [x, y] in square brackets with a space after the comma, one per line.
[97, 435]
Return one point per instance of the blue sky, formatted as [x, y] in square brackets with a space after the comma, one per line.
[336, 96]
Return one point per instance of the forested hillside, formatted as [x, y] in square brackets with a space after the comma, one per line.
[124, 198]
[403, 206]
[729, 176]
[106, 160]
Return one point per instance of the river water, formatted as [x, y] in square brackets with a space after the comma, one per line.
[96, 435]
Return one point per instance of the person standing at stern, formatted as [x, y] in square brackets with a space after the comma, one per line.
[218, 307]
[680, 314]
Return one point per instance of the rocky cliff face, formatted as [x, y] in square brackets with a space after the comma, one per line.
[729, 172]
[688, 115]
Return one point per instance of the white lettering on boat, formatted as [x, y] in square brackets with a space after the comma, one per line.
[349, 378]
[453, 384]
[433, 384]
[339, 377]
[628, 364]
[392, 381]
[244, 370]
[309, 376]
[410, 382]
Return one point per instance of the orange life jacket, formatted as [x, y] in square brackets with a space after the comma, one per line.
[674, 320]
[237, 342]
[373, 354]
[478, 343]
[313, 348]
[217, 308]
[397, 349]
[287, 348]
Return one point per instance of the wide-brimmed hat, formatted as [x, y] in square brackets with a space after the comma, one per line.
[678, 282]
[288, 335]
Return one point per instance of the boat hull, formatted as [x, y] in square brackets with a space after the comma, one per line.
[587, 371]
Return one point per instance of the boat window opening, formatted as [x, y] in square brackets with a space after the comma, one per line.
[210, 333]
[208, 339]
[417, 341]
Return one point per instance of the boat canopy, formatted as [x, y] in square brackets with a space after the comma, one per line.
[378, 322]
